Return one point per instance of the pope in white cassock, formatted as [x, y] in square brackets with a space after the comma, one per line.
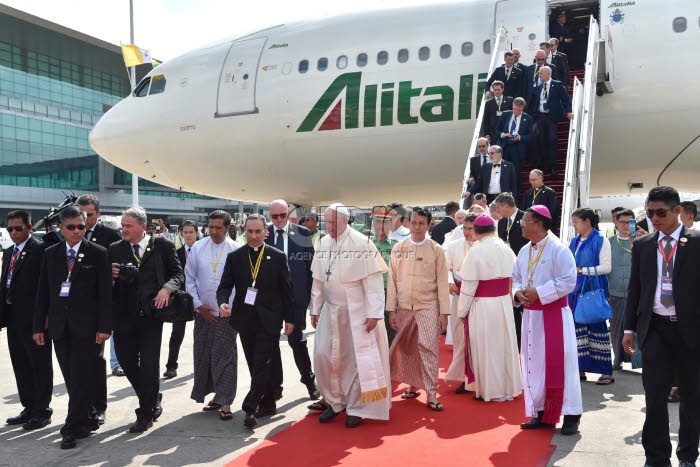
[351, 352]
[486, 304]
[543, 276]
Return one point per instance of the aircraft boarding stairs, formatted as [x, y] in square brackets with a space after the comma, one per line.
[574, 137]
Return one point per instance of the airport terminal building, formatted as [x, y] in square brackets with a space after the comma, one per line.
[55, 83]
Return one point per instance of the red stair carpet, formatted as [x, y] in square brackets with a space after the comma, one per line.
[467, 433]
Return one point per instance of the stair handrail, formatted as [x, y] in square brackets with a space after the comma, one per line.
[570, 191]
[498, 51]
[587, 121]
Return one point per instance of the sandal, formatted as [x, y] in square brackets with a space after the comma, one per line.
[605, 380]
[319, 406]
[211, 405]
[408, 394]
[224, 415]
[478, 398]
[436, 406]
[674, 396]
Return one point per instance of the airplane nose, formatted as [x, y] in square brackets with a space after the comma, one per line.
[98, 138]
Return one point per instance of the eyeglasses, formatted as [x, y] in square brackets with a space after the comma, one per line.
[661, 212]
[17, 228]
[492, 153]
[539, 59]
[73, 226]
[278, 216]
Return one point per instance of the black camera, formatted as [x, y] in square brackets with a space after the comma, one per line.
[128, 273]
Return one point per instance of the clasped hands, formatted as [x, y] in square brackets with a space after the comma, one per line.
[527, 296]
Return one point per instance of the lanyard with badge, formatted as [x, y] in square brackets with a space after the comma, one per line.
[65, 285]
[12, 267]
[252, 292]
[534, 194]
[533, 263]
[666, 279]
[213, 283]
[630, 250]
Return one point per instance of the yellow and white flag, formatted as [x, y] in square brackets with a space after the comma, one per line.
[133, 55]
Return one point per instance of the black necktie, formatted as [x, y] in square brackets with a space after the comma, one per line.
[71, 258]
[496, 165]
[279, 241]
[135, 246]
[483, 161]
[667, 300]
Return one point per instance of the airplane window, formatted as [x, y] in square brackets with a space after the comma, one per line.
[303, 66]
[680, 24]
[322, 64]
[445, 51]
[403, 55]
[487, 46]
[342, 62]
[424, 53]
[157, 85]
[362, 60]
[382, 57]
[142, 89]
[467, 49]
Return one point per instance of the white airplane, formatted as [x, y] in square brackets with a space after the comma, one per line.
[381, 106]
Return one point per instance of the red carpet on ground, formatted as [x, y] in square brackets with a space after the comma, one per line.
[467, 432]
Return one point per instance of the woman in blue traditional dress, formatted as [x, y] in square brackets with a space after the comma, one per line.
[592, 252]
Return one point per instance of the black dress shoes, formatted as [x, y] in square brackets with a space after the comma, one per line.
[327, 415]
[20, 419]
[266, 412]
[68, 442]
[536, 423]
[570, 425]
[314, 393]
[250, 420]
[462, 389]
[169, 374]
[141, 425]
[687, 464]
[353, 421]
[35, 423]
[158, 408]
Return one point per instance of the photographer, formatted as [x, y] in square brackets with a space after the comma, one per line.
[137, 291]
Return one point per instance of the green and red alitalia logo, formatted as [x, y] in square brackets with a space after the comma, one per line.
[377, 108]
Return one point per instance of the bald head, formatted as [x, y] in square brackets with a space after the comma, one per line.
[545, 73]
[536, 178]
[279, 212]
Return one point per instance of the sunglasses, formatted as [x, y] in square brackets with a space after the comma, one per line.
[73, 226]
[278, 216]
[539, 59]
[17, 228]
[661, 212]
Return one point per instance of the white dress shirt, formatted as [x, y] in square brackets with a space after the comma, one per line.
[285, 236]
[548, 87]
[659, 309]
[495, 182]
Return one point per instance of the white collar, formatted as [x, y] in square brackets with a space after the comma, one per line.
[285, 228]
[20, 247]
[675, 235]
[75, 248]
[512, 218]
[421, 243]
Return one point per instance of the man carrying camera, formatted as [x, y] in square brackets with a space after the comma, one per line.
[145, 271]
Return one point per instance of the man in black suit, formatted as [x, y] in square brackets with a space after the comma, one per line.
[552, 58]
[74, 297]
[493, 109]
[104, 236]
[263, 300]
[188, 231]
[509, 75]
[515, 128]
[475, 164]
[498, 176]
[561, 33]
[31, 363]
[540, 194]
[563, 64]
[446, 225]
[518, 64]
[509, 231]
[295, 242]
[663, 308]
[137, 335]
[551, 104]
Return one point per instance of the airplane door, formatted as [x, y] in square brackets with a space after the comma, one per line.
[526, 23]
[237, 82]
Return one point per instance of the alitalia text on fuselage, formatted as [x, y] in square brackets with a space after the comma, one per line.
[372, 105]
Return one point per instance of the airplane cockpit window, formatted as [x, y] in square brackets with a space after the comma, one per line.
[303, 66]
[157, 85]
[142, 89]
[382, 57]
[680, 24]
[322, 64]
[467, 49]
[342, 62]
[403, 56]
[424, 53]
[445, 51]
[362, 60]
[487, 46]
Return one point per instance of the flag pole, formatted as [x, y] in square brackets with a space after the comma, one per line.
[132, 77]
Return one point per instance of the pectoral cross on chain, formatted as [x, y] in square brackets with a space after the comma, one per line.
[328, 275]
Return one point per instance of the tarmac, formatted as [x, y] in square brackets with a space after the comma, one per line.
[610, 431]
